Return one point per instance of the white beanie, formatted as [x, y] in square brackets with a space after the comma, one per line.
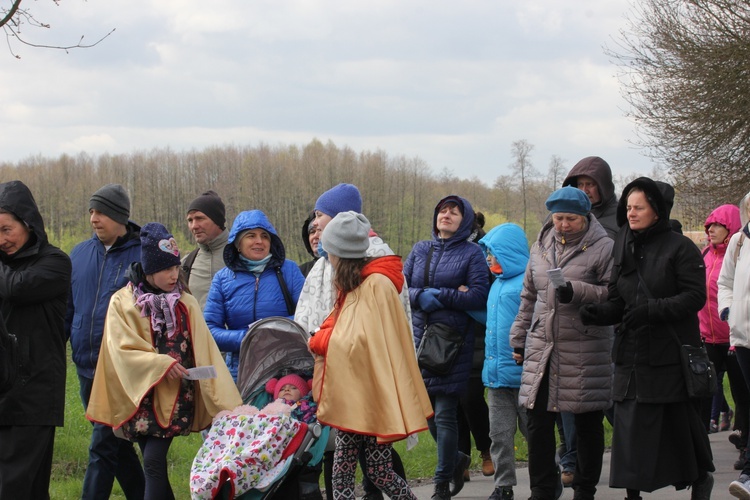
[347, 236]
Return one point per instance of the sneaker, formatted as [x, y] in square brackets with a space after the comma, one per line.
[740, 488]
[502, 493]
[725, 420]
[488, 468]
[740, 463]
[462, 464]
[735, 437]
[702, 489]
[442, 491]
[567, 478]
[467, 476]
[713, 427]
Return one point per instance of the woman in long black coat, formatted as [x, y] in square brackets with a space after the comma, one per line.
[34, 283]
[657, 287]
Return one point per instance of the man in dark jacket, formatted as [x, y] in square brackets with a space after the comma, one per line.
[99, 266]
[593, 176]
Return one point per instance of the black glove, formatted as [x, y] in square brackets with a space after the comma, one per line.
[565, 293]
[588, 314]
[635, 317]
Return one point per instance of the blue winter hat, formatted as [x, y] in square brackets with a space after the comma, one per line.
[158, 248]
[569, 200]
[340, 198]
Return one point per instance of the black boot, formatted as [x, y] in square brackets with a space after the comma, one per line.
[702, 488]
[442, 491]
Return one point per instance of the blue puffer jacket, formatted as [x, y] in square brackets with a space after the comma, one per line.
[454, 262]
[238, 297]
[508, 244]
[97, 274]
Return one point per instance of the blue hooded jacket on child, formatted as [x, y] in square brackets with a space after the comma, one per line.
[508, 244]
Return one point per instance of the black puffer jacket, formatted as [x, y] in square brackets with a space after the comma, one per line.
[34, 285]
[672, 270]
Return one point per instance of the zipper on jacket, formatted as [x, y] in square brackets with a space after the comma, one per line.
[93, 309]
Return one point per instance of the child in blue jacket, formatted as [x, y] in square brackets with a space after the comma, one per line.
[507, 253]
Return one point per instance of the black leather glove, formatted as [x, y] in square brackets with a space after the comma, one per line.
[565, 293]
[588, 314]
[635, 317]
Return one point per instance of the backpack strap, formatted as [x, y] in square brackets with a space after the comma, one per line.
[739, 246]
[290, 305]
[187, 266]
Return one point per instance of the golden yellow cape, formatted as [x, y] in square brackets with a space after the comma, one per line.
[369, 382]
[129, 366]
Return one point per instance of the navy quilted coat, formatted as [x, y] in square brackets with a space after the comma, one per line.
[454, 262]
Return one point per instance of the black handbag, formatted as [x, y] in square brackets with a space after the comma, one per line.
[439, 348]
[700, 372]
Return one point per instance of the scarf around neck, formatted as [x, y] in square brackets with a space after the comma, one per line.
[159, 307]
[255, 266]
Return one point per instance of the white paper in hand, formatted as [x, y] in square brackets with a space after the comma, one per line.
[201, 373]
[556, 277]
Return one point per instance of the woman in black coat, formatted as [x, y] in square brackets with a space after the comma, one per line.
[34, 283]
[655, 292]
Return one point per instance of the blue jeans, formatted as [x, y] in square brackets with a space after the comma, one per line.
[568, 459]
[110, 457]
[444, 429]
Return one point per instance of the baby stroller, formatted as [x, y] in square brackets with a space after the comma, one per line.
[274, 347]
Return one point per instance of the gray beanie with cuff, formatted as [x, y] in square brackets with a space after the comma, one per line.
[347, 236]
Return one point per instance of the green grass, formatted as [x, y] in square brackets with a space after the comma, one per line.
[72, 441]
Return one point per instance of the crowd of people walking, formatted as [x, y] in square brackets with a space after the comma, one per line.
[472, 335]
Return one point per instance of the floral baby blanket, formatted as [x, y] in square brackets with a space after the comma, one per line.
[246, 449]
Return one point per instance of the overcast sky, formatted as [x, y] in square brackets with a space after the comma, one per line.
[452, 82]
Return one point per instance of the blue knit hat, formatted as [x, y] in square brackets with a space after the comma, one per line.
[340, 198]
[569, 200]
[158, 248]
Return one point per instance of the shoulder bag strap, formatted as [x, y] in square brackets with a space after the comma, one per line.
[290, 306]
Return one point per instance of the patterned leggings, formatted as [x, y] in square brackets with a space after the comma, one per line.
[379, 467]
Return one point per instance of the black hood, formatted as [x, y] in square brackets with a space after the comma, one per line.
[306, 234]
[16, 198]
[659, 194]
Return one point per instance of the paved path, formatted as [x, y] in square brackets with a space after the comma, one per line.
[724, 452]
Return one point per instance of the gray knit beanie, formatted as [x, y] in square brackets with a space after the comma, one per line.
[347, 236]
[112, 200]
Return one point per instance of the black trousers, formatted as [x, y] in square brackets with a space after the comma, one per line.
[543, 471]
[26, 461]
[473, 418]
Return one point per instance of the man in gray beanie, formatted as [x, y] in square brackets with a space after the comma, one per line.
[206, 218]
[99, 266]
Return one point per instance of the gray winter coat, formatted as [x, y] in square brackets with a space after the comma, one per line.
[552, 335]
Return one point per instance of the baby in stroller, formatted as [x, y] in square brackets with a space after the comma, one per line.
[275, 451]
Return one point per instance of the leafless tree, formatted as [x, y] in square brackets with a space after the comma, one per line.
[556, 172]
[686, 75]
[14, 19]
[521, 152]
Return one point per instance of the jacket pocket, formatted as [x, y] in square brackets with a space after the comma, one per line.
[663, 349]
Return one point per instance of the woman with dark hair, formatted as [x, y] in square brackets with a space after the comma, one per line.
[447, 277]
[658, 285]
[366, 380]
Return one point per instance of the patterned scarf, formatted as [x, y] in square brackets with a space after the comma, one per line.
[160, 307]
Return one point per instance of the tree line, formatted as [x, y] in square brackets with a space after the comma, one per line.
[399, 193]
